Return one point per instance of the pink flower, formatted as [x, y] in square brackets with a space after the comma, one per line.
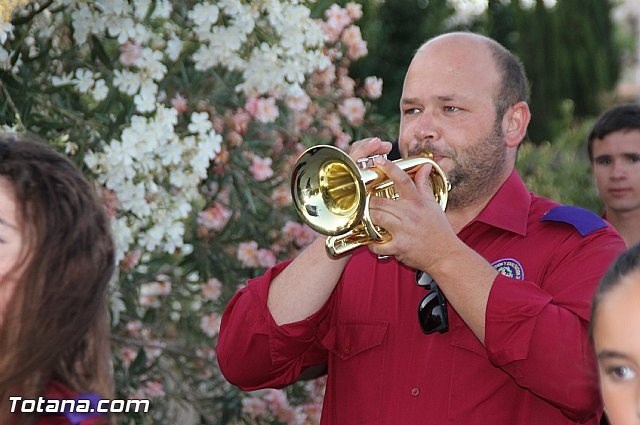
[354, 10]
[251, 256]
[353, 110]
[280, 407]
[134, 327]
[313, 411]
[261, 168]
[298, 102]
[128, 355]
[342, 140]
[151, 389]
[210, 324]
[248, 253]
[111, 202]
[179, 103]
[151, 292]
[347, 85]
[373, 87]
[266, 258]
[130, 53]
[331, 31]
[154, 389]
[356, 47]
[240, 121]
[337, 18]
[332, 122]
[301, 234]
[255, 407]
[281, 196]
[212, 289]
[154, 350]
[235, 139]
[215, 217]
[263, 110]
[322, 80]
[302, 122]
[130, 260]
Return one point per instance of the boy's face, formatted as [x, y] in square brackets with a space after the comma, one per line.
[616, 169]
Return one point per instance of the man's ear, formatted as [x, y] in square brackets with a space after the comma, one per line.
[515, 122]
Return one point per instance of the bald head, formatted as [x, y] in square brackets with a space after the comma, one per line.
[512, 86]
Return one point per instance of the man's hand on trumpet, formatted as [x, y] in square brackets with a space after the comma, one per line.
[415, 220]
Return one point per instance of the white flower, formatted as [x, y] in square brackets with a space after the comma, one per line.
[115, 7]
[100, 90]
[151, 63]
[126, 81]
[145, 100]
[84, 80]
[6, 32]
[83, 21]
[174, 48]
[63, 80]
[141, 8]
[4, 58]
[209, 144]
[70, 148]
[162, 9]
[204, 15]
[200, 123]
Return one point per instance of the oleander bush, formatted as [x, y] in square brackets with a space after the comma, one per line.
[189, 115]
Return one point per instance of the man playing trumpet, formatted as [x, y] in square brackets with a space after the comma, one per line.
[502, 281]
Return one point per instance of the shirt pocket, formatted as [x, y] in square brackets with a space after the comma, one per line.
[356, 367]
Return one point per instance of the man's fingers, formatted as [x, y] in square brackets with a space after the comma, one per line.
[423, 181]
[403, 183]
[368, 147]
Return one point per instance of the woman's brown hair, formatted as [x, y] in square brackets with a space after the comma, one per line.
[56, 326]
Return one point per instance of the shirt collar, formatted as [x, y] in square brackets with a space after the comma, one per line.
[509, 207]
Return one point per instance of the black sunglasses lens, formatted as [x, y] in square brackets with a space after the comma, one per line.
[432, 313]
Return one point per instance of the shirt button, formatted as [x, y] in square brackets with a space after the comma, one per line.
[415, 391]
[346, 350]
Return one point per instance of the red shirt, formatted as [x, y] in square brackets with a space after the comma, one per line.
[537, 366]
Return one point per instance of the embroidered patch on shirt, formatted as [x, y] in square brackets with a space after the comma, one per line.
[509, 267]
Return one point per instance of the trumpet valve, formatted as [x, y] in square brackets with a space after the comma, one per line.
[367, 161]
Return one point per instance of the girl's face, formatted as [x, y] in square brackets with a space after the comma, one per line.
[616, 337]
[11, 242]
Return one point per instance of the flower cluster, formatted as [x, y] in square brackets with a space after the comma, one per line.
[189, 117]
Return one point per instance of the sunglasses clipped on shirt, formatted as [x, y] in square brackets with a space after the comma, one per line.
[432, 310]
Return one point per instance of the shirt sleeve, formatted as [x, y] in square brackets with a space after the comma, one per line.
[254, 352]
[538, 331]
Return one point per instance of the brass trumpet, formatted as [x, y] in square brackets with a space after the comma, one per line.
[331, 192]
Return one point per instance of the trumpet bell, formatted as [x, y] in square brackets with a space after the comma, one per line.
[326, 189]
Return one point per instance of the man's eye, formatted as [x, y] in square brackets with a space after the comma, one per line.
[411, 111]
[451, 108]
[603, 161]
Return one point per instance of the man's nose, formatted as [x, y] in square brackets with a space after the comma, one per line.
[427, 127]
